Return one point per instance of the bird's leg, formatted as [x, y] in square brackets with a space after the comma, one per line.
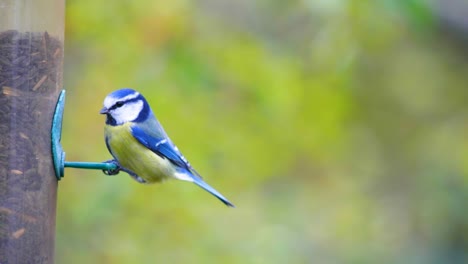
[114, 171]
[134, 175]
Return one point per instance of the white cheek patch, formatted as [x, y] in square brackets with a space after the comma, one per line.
[128, 112]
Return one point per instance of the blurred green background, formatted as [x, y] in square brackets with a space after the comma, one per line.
[338, 129]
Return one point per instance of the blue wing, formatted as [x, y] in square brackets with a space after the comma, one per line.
[162, 147]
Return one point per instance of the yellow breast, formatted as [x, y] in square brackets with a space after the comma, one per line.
[135, 157]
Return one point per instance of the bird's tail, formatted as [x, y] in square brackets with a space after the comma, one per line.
[198, 181]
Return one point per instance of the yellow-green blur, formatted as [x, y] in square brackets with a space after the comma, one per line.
[338, 128]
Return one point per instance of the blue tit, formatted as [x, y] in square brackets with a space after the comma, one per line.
[141, 147]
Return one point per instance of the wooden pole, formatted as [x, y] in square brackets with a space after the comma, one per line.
[31, 62]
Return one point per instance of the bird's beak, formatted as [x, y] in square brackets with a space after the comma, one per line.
[104, 110]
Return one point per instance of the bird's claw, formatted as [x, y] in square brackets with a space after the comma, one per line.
[112, 172]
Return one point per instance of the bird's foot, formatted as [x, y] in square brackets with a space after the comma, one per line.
[115, 171]
[120, 168]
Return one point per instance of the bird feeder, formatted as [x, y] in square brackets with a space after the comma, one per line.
[31, 66]
[31, 108]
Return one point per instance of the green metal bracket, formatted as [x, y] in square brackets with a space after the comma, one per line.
[58, 156]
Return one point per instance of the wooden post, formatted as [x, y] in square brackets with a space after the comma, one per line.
[31, 59]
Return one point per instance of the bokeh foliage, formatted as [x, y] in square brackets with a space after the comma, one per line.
[338, 128]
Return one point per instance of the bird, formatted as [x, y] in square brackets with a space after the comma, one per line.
[140, 146]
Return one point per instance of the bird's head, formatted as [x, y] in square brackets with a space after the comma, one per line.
[125, 105]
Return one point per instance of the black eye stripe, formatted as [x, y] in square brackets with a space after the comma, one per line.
[121, 103]
[116, 105]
